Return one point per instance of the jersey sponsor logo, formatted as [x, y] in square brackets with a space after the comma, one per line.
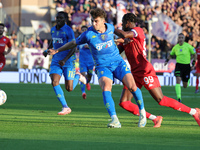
[57, 40]
[94, 36]
[181, 50]
[4, 39]
[107, 44]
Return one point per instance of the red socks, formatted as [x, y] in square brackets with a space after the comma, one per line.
[197, 84]
[169, 102]
[166, 101]
[132, 108]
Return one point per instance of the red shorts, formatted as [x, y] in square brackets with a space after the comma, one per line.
[2, 64]
[148, 81]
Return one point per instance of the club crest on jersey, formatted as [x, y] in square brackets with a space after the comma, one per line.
[103, 37]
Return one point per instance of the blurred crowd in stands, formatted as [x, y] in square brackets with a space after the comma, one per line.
[185, 13]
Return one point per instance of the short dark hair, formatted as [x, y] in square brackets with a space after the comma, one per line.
[1, 24]
[130, 17]
[98, 12]
[84, 27]
[64, 14]
[181, 34]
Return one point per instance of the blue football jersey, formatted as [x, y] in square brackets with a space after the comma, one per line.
[59, 38]
[85, 54]
[102, 45]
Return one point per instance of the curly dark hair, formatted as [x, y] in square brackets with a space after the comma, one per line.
[98, 12]
[1, 24]
[130, 17]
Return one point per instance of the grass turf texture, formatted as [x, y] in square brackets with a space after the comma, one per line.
[29, 120]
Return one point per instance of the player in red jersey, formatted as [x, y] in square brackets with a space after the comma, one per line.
[144, 74]
[4, 41]
[197, 66]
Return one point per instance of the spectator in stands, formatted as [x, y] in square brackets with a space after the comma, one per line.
[45, 44]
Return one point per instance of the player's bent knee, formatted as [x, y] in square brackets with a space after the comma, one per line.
[132, 89]
[55, 83]
[69, 89]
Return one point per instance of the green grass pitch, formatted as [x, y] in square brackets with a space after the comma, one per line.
[29, 121]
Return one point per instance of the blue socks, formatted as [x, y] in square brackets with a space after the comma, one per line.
[76, 79]
[109, 103]
[83, 88]
[60, 95]
[138, 98]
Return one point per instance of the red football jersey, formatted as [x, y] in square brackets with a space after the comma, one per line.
[3, 42]
[198, 56]
[136, 54]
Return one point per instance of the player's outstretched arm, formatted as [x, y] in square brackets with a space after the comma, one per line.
[45, 52]
[69, 45]
[124, 34]
[71, 52]
[166, 61]
[8, 51]
[194, 57]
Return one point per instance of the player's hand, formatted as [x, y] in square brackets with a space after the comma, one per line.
[61, 62]
[193, 68]
[52, 51]
[45, 53]
[127, 41]
[118, 41]
[166, 61]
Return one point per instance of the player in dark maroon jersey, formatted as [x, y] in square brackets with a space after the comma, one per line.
[4, 41]
[144, 74]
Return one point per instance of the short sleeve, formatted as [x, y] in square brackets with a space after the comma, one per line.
[70, 35]
[172, 51]
[192, 49]
[82, 39]
[9, 43]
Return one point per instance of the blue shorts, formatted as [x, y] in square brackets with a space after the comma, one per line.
[68, 70]
[117, 69]
[86, 67]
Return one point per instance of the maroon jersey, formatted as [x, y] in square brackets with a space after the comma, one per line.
[142, 70]
[198, 56]
[136, 54]
[3, 42]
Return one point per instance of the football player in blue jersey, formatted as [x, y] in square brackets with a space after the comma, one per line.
[86, 64]
[61, 34]
[108, 63]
